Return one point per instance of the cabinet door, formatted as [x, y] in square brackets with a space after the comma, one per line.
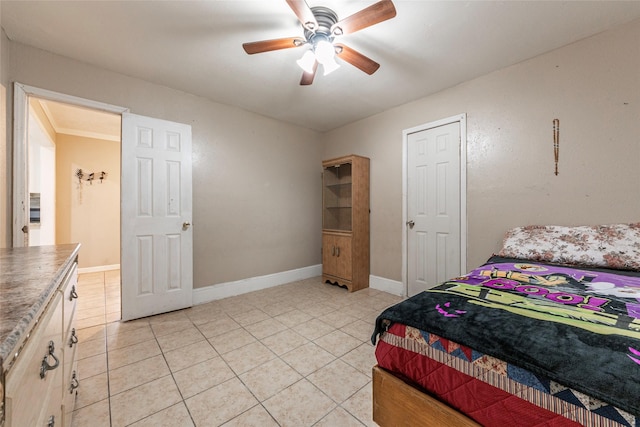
[336, 256]
[343, 257]
[337, 197]
[328, 254]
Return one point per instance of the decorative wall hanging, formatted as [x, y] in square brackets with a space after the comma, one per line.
[90, 176]
[556, 142]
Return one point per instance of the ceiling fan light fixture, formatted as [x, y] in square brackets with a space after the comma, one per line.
[307, 61]
[321, 26]
[325, 52]
[330, 66]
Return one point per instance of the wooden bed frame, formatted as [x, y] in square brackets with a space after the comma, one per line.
[396, 403]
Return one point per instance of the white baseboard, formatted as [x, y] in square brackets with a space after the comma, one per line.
[229, 289]
[387, 285]
[98, 268]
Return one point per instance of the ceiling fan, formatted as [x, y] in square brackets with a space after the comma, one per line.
[321, 26]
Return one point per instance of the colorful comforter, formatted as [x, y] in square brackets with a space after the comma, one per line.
[577, 327]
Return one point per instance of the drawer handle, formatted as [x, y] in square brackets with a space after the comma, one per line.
[45, 362]
[52, 421]
[74, 382]
[74, 338]
[73, 294]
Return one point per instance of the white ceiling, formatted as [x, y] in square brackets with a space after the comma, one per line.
[196, 47]
[72, 120]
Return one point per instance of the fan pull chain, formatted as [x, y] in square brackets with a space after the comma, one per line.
[556, 142]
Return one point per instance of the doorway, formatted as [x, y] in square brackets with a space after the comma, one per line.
[434, 203]
[74, 196]
[74, 180]
[41, 177]
[21, 111]
[155, 206]
[59, 123]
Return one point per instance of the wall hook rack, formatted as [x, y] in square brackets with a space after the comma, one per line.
[556, 142]
[90, 176]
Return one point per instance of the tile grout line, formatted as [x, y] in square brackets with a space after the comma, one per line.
[183, 400]
[106, 346]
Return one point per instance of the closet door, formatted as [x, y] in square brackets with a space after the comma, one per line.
[433, 207]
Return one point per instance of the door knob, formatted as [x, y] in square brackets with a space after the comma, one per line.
[411, 223]
[186, 225]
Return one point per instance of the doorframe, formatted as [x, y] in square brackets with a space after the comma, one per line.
[461, 119]
[21, 94]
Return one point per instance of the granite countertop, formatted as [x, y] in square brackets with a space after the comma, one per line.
[28, 278]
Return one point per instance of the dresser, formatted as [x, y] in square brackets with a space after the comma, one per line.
[38, 341]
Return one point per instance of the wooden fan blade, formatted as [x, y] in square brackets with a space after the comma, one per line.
[307, 78]
[304, 14]
[374, 14]
[357, 59]
[275, 44]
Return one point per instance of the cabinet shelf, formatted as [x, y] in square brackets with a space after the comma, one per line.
[340, 185]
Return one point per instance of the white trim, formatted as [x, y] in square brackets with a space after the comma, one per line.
[98, 268]
[21, 94]
[387, 285]
[89, 134]
[463, 193]
[462, 120]
[70, 99]
[20, 180]
[229, 289]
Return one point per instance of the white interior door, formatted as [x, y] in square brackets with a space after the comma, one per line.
[157, 239]
[433, 207]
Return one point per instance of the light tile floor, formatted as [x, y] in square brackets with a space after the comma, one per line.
[293, 355]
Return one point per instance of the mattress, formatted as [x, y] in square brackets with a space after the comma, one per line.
[489, 390]
[512, 334]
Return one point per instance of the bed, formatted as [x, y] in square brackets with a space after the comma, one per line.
[546, 333]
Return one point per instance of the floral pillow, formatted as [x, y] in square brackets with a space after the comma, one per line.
[612, 246]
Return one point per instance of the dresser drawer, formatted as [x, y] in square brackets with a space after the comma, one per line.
[36, 374]
[70, 339]
[70, 390]
[51, 415]
[69, 289]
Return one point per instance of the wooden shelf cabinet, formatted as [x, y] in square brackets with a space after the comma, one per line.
[345, 222]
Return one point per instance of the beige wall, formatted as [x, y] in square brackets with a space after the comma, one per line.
[592, 86]
[256, 203]
[88, 213]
